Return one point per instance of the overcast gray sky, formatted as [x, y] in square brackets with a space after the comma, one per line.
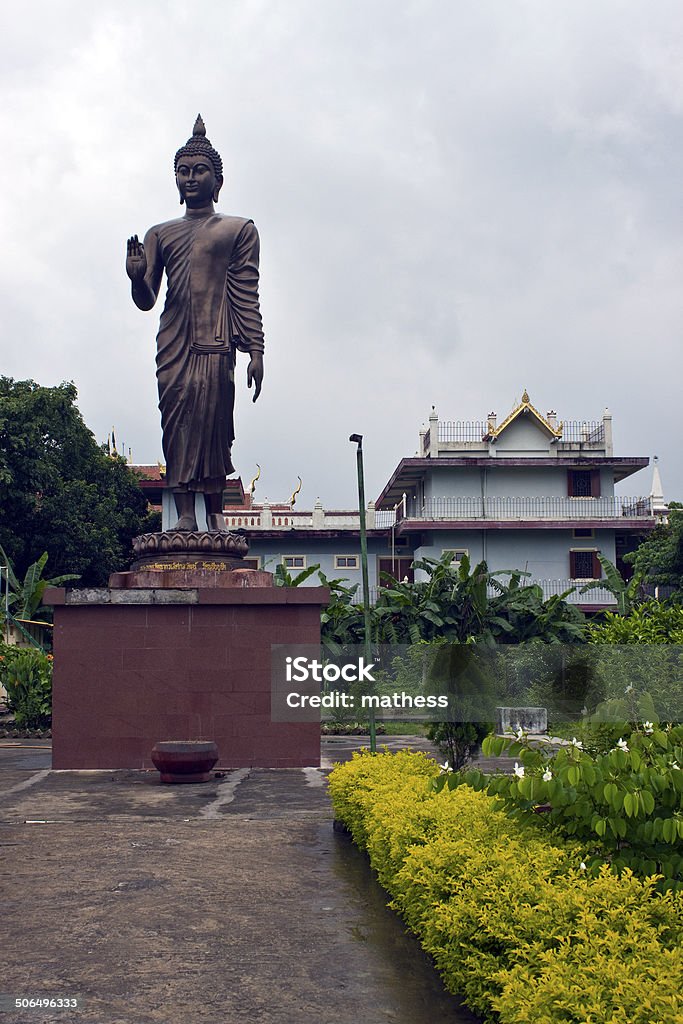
[457, 200]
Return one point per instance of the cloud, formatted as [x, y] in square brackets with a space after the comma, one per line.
[455, 202]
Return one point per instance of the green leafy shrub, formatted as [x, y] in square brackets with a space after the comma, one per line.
[652, 622]
[625, 805]
[365, 774]
[452, 603]
[458, 742]
[350, 727]
[514, 923]
[26, 675]
[640, 654]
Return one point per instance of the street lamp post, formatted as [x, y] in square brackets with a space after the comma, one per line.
[358, 439]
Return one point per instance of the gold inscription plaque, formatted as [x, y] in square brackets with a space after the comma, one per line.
[187, 566]
[170, 565]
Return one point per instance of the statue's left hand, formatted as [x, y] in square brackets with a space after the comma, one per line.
[255, 373]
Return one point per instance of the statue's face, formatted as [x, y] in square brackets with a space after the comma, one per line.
[197, 181]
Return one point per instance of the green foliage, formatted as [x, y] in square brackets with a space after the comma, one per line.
[639, 661]
[531, 619]
[512, 921]
[348, 725]
[59, 491]
[341, 621]
[641, 682]
[353, 786]
[458, 742]
[452, 607]
[625, 593]
[282, 577]
[469, 675]
[557, 677]
[450, 604]
[625, 805]
[453, 604]
[25, 596]
[659, 558]
[27, 677]
[634, 659]
[651, 622]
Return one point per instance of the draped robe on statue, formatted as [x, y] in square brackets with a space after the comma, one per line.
[211, 309]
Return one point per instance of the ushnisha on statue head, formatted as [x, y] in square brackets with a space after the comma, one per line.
[198, 169]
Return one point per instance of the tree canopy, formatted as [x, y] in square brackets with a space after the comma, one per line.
[60, 491]
[659, 559]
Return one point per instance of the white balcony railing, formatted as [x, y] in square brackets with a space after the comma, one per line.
[463, 431]
[258, 520]
[596, 596]
[467, 509]
[528, 508]
[272, 519]
[585, 432]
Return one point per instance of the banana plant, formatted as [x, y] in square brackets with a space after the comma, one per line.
[282, 577]
[25, 596]
[625, 593]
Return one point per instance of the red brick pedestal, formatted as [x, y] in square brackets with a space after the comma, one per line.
[137, 666]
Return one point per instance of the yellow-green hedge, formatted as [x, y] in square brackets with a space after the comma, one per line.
[513, 923]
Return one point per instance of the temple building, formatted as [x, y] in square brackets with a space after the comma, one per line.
[527, 492]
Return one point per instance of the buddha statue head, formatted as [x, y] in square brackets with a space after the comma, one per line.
[198, 169]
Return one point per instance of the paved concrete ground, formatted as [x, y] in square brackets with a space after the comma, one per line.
[232, 902]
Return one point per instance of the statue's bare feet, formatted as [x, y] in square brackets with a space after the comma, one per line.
[215, 523]
[186, 524]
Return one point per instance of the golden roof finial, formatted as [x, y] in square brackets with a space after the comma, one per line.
[292, 500]
[523, 409]
[252, 485]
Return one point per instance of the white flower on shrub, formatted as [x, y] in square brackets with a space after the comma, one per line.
[445, 767]
[519, 770]
[628, 688]
[520, 732]
[577, 743]
[622, 745]
[648, 728]
[547, 775]
[582, 866]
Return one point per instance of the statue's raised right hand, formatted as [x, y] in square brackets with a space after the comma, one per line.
[136, 261]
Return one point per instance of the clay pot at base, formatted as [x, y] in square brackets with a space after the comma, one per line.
[185, 761]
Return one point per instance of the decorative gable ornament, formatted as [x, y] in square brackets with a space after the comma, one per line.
[525, 408]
